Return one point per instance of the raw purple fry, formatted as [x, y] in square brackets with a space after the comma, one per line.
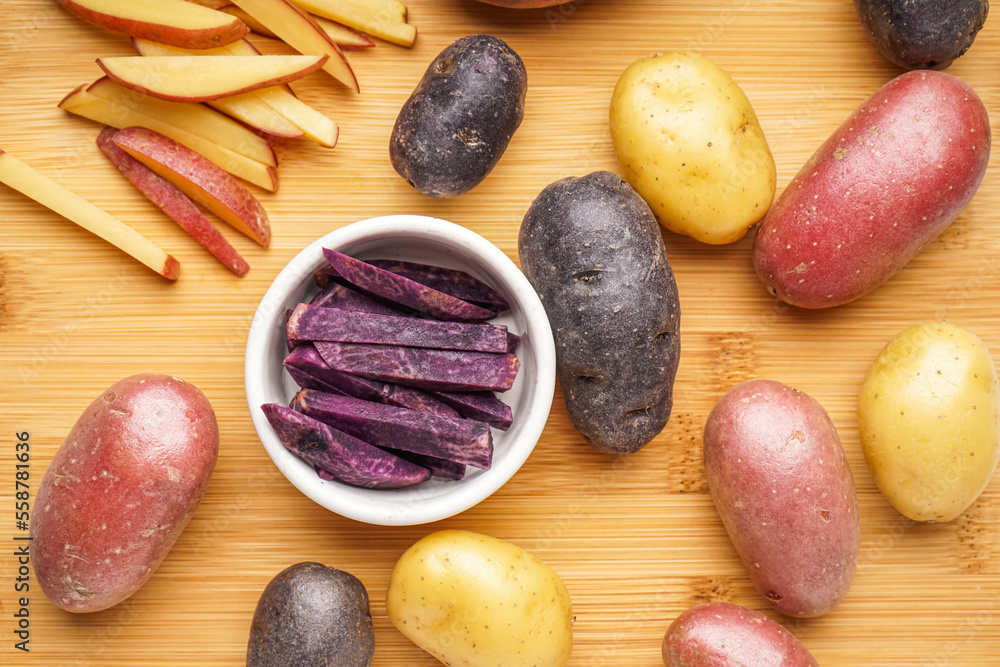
[453, 282]
[460, 440]
[307, 361]
[397, 289]
[439, 467]
[345, 457]
[513, 340]
[339, 296]
[309, 381]
[444, 370]
[309, 322]
[482, 406]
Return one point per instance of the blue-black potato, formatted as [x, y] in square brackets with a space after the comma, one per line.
[593, 251]
[311, 614]
[922, 34]
[457, 123]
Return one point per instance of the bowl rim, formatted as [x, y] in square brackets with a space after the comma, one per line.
[345, 499]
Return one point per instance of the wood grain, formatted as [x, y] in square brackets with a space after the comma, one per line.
[636, 540]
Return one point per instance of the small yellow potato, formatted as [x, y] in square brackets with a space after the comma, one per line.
[471, 600]
[689, 142]
[929, 417]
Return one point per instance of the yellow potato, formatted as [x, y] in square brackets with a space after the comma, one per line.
[473, 600]
[929, 417]
[689, 142]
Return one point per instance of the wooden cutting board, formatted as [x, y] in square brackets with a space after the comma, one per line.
[636, 539]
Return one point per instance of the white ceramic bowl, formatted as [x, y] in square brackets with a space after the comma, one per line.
[431, 241]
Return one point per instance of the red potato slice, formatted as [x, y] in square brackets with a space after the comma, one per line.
[173, 202]
[385, 20]
[460, 440]
[445, 370]
[397, 289]
[255, 26]
[343, 326]
[31, 183]
[82, 103]
[195, 118]
[302, 118]
[250, 109]
[316, 126]
[343, 36]
[247, 107]
[172, 22]
[345, 457]
[307, 367]
[198, 178]
[202, 78]
[297, 29]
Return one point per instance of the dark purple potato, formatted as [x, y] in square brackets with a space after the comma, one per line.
[457, 123]
[308, 322]
[445, 370]
[344, 456]
[592, 250]
[309, 370]
[460, 440]
[922, 34]
[403, 291]
[311, 614]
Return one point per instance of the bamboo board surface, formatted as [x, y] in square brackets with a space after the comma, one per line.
[636, 540]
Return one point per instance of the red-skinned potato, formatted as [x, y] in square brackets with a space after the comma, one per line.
[718, 633]
[120, 490]
[781, 483]
[888, 181]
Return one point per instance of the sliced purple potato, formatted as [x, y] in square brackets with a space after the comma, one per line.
[482, 406]
[399, 290]
[309, 364]
[307, 380]
[313, 322]
[452, 282]
[444, 370]
[344, 456]
[460, 440]
[439, 467]
[340, 296]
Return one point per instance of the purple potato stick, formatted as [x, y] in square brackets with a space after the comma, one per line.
[344, 326]
[345, 457]
[339, 296]
[482, 406]
[444, 370]
[439, 467]
[513, 340]
[315, 374]
[308, 381]
[452, 282]
[460, 440]
[397, 289]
